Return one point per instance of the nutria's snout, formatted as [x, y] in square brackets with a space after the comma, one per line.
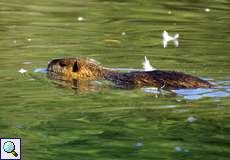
[88, 69]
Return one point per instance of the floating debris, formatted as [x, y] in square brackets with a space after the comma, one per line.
[19, 126]
[22, 71]
[191, 119]
[31, 79]
[113, 41]
[167, 38]
[182, 110]
[168, 107]
[147, 66]
[180, 149]
[138, 144]
[27, 62]
[80, 18]
[207, 10]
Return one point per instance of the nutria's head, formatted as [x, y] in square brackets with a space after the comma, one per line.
[77, 68]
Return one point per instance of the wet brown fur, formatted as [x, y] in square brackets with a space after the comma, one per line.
[88, 69]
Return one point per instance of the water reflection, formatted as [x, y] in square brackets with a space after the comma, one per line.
[78, 86]
[195, 94]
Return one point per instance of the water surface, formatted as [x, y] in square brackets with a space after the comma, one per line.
[100, 122]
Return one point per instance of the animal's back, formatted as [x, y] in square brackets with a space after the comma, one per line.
[161, 79]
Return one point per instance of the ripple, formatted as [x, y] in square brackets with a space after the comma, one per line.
[195, 94]
[40, 70]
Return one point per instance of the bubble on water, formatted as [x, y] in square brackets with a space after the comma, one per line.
[169, 12]
[29, 39]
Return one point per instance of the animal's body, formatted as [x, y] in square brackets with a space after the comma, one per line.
[87, 69]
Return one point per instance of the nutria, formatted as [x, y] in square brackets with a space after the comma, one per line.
[88, 69]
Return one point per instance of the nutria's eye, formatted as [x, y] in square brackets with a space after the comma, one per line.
[75, 67]
[62, 64]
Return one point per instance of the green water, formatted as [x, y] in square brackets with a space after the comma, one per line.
[106, 123]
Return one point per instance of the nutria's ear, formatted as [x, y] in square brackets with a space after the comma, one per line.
[65, 62]
[75, 67]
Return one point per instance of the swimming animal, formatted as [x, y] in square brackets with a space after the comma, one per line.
[69, 69]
